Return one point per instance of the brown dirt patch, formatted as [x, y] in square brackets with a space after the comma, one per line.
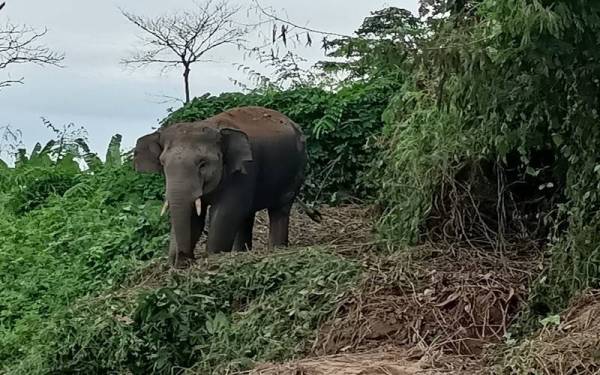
[344, 226]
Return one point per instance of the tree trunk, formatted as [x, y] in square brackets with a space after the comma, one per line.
[186, 80]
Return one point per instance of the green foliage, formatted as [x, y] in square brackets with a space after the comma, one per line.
[66, 234]
[383, 45]
[113, 154]
[338, 126]
[246, 309]
[421, 151]
[505, 81]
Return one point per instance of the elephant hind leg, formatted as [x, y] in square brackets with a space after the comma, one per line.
[243, 239]
[279, 220]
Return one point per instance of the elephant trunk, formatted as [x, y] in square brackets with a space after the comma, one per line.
[181, 206]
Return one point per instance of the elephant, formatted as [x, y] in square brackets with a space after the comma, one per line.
[228, 166]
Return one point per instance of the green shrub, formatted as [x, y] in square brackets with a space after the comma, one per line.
[31, 188]
[66, 234]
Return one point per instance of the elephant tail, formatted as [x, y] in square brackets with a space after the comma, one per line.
[313, 213]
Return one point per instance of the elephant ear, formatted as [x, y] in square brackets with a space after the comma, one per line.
[236, 150]
[147, 153]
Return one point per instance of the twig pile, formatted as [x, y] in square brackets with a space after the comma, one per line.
[453, 301]
[396, 362]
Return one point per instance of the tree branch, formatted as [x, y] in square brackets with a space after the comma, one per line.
[274, 17]
[182, 38]
[20, 45]
[8, 83]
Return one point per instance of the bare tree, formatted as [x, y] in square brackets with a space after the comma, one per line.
[21, 45]
[183, 38]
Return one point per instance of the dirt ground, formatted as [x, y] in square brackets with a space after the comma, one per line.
[386, 362]
[340, 226]
[424, 310]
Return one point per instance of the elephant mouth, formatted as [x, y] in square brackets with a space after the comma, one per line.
[198, 193]
[197, 205]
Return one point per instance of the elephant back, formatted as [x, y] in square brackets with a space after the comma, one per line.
[259, 124]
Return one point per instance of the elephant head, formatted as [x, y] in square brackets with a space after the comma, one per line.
[195, 158]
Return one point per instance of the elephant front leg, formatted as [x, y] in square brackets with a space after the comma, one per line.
[224, 226]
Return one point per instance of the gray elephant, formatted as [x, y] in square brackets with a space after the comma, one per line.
[234, 164]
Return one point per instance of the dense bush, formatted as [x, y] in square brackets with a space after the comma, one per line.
[514, 85]
[338, 126]
[66, 234]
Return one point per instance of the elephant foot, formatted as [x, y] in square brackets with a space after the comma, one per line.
[181, 260]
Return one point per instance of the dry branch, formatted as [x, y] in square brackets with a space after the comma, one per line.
[21, 45]
[184, 38]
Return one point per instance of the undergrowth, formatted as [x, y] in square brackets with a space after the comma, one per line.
[507, 91]
[243, 309]
[67, 234]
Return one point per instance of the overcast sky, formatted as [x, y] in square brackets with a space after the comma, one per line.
[94, 91]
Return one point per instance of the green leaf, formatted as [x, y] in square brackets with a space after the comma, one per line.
[551, 320]
[113, 153]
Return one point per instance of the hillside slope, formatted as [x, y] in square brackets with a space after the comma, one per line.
[336, 297]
